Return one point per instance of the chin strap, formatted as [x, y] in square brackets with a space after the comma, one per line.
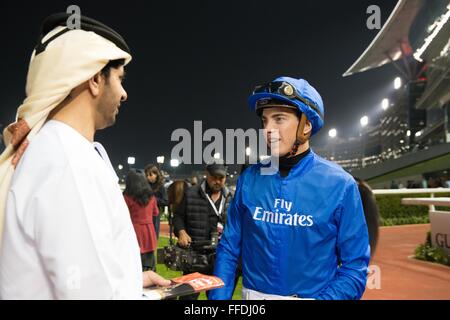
[301, 136]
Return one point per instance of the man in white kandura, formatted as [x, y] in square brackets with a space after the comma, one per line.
[67, 232]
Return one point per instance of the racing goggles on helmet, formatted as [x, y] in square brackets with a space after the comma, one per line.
[287, 90]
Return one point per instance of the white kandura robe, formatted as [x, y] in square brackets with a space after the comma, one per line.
[68, 232]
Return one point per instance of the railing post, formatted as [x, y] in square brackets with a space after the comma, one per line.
[431, 207]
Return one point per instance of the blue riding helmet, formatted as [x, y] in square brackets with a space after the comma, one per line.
[295, 92]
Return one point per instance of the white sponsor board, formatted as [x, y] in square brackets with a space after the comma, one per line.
[439, 220]
[440, 230]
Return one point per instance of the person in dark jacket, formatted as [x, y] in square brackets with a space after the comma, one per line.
[156, 181]
[142, 206]
[371, 213]
[202, 213]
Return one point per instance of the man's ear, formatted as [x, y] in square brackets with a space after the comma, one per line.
[308, 128]
[95, 84]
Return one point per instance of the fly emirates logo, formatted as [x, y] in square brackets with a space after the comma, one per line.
[282, 215]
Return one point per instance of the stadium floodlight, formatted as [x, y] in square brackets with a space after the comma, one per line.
[174, 162]
[364, 121]
[385, 104]
[332, 133]
[397, 83]
[160, 159]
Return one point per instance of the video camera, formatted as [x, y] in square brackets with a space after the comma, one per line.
[196, 258]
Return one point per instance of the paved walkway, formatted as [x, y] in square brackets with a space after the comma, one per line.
[401, 277]
[164, 229]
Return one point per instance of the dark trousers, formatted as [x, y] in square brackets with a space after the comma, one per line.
[148, 261]
[156, 223]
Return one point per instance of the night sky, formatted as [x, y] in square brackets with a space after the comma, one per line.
[199, 60]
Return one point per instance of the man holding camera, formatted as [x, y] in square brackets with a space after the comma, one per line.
[201, 216]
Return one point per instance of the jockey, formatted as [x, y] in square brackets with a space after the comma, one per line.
[301, 232]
